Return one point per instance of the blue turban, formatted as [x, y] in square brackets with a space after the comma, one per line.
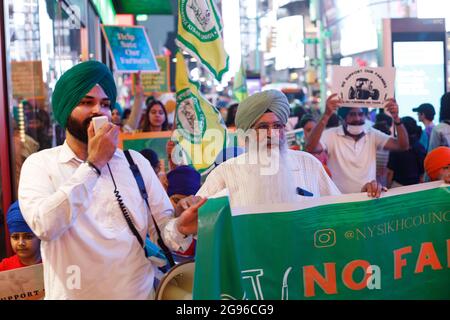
[75, 83]
[15, 220]
[151, 156]
[256, 105]
[183, 180]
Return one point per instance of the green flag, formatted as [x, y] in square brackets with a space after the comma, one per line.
[199, 33]
[346, 247]
[201, 131]
[240, 84]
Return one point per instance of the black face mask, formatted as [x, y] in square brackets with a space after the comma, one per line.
[80, 129]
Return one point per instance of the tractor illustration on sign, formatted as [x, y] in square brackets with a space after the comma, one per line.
[363, 90]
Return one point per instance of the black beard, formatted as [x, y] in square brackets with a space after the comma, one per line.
[79, 129]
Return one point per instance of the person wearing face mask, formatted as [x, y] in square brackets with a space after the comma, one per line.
[352, 146]
[293, 176]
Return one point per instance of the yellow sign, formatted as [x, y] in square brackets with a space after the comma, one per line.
[201, 130]
[157, 82]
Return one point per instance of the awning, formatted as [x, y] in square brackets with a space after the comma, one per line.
[150, 7]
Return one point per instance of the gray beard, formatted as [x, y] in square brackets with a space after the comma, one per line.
[270, 180]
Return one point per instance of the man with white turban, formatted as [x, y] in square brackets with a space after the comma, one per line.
[268, 172]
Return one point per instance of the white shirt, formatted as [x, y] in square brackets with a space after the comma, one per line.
[352, 163]
[247, 186]
[76, 215]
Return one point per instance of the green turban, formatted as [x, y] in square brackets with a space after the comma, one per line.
[118, 107]
[75, 83]
[256, 105]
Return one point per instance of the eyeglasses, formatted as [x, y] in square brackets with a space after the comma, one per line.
[267, 126]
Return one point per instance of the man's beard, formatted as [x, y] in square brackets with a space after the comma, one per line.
[79, 129]
[267, 143]
[276, 184]
[268, 183]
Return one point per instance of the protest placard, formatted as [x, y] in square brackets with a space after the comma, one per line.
[27, 79]
[157, 82]
[25, 283]
[363, 86]
[130, 49]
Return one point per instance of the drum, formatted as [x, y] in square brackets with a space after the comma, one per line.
[177, 283]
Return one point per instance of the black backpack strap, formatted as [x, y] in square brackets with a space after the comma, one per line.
[141, 185]
[137, 175]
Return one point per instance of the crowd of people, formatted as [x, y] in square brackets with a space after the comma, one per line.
[394, 167]
[82, 204]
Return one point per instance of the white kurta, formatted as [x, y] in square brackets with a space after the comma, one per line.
[352, 163]
[88, 250]
[248, 186]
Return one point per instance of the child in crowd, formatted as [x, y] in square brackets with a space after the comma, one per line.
[184, 181]
[24, 242]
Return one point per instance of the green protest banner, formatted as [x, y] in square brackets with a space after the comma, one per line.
[346, 247]
[156, 141]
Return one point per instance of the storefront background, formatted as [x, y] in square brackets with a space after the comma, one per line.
[43, 39]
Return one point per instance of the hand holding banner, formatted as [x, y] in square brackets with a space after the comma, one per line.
[341, 247]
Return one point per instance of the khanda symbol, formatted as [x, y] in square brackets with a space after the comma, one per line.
[202, 13]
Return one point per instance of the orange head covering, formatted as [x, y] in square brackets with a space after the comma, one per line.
[436, 160]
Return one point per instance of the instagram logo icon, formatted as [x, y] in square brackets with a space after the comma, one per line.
[324, 238]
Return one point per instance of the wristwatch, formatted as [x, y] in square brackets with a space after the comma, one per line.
[398, 123]
[94, 168]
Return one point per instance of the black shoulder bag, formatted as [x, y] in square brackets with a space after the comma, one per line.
[141, 185]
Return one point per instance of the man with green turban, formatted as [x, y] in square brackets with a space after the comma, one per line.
[76, 83]
[69, 196]
[353, 146]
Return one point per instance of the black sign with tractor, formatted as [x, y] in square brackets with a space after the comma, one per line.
[363, 90]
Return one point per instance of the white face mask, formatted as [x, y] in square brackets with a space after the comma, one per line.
[355, 130]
